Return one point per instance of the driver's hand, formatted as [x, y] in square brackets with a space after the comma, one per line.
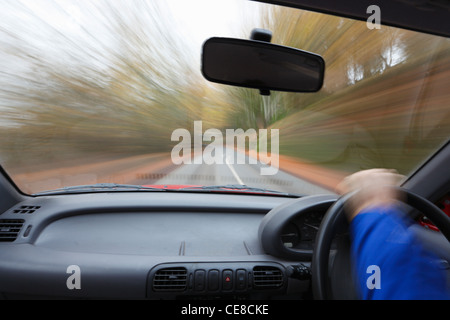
[372, 185]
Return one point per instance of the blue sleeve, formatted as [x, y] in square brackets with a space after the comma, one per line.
[389, 262]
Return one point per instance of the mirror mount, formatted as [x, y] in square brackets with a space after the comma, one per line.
[261, 35]
[266, 36]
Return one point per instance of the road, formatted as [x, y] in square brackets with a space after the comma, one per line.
[229, 171]
[159, 169]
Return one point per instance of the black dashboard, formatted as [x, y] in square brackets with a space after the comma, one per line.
[158, 245]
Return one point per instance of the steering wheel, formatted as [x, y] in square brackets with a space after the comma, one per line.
[335, 220]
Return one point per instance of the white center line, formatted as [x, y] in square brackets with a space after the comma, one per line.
[234, 172]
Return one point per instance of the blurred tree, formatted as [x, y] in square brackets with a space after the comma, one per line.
[118, 90]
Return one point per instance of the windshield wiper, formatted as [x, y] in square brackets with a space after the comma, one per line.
[98, 187]
[240, 188]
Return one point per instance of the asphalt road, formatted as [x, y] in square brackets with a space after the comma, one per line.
[158, 169]
[229, 171]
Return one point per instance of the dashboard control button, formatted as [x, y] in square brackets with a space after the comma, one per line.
[241, 279]
[227, 279]
[199, 280]
[213, 280]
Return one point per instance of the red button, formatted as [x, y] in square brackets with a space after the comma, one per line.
[227, 279]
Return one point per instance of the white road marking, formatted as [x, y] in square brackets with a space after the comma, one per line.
[234, 172]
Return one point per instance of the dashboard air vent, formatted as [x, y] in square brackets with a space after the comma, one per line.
[170, 279]
[267, 277]
[9, 229]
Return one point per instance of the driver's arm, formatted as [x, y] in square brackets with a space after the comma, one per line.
[389, 261]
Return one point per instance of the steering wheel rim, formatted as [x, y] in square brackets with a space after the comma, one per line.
[335, 218]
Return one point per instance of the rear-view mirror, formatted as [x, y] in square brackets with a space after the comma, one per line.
[261, 65]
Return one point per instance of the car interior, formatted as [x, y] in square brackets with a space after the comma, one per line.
[194, 243]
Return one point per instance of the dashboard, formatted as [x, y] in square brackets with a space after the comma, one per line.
[159, 245]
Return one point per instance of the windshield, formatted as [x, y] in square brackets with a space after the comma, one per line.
[111, 92]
